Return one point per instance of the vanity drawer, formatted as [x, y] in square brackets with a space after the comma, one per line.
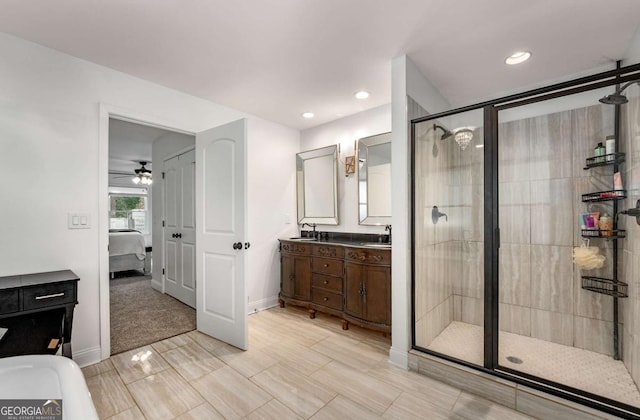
[329, 283]
[300, 248]
[329, 251]
[327, 266]
[369, 256]
[9, 301]
[52, 294]
[326, 298]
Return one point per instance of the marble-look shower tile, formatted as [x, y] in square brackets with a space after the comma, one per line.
[552, 212]
[472, 310]
[515, 319]
[551, 146]
[594, 335]
[552, 326]
[513, 150]
[591, 304]
[457, 308]
[552, 278]
[433, 323]
[515, 212]
[590, 126]
[472, 279]
[515, 274]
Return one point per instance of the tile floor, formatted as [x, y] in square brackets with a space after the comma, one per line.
[295, 368]
[583, 369]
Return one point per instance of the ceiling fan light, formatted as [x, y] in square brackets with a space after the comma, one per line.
[136, 179]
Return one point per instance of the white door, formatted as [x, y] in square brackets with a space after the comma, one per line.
[179, 232]
[220, 236]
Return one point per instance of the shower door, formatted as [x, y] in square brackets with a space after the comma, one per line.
[448, 236]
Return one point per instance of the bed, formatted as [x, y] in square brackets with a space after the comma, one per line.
[127, 251]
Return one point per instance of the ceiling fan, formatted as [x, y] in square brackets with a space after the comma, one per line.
[142, 174]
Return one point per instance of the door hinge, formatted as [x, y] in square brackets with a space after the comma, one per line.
[163, 271]
[163, 175]
[163, 223]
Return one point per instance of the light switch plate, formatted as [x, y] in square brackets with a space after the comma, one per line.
[78, 221]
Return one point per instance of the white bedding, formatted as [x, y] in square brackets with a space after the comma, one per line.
[123, 243]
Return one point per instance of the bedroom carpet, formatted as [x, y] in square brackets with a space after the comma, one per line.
[141, 315]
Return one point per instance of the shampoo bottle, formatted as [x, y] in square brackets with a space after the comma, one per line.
[599, 151]
[610, 147]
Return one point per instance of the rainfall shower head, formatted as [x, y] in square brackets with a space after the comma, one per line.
[617, 98]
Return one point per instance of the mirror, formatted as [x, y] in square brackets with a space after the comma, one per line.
[374, 179]
[317, 186]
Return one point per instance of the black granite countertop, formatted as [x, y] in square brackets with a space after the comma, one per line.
[369, 240]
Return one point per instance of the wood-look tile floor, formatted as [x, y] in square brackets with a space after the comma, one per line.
[295, 368]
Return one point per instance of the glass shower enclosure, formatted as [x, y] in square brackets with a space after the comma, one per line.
[504, 195]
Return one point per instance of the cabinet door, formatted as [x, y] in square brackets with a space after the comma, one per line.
[353, 290]
[377, 295]
[286, 275]
[302, 278]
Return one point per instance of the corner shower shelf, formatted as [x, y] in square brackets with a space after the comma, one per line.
[610, 195]
[610, 159]
[606, 234]
[605, 286]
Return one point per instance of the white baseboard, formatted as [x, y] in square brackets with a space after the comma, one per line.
[88, 356]
[262, 304]
[157, 285]
[399, 358]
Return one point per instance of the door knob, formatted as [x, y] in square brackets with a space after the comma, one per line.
[237, 245]
[247, 245]
[174, 235]
[178, 235]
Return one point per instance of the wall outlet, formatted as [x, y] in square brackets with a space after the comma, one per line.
[78, 221]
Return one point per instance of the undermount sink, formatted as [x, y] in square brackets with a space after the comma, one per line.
[303, 239]
[376, 244]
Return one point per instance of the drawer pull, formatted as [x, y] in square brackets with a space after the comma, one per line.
[326, 265]
[326, 299]
[326, 282]
[55, 295]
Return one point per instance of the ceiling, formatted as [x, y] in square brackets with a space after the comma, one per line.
[279, 58]
[129, 144]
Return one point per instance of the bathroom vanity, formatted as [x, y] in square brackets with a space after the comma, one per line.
[349, 279]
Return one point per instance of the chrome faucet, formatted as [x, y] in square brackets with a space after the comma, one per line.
[388, 228]
[311, 225]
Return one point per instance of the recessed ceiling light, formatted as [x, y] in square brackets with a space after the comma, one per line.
[363, 94]
[307, 115]
[518, 57]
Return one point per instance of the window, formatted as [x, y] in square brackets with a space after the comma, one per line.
[128, 209]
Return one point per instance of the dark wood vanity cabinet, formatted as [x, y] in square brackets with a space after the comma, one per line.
[350, 282]
[368, 288]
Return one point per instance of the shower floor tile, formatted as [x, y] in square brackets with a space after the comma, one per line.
[592, 372]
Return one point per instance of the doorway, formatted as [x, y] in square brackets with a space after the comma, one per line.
[145, 305]
[221, 304]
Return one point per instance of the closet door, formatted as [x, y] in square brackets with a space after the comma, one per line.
[179, 233]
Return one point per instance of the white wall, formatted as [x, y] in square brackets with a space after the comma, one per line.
[406, 79]
[50, 120]
[345, 131]
[165, 146]
[272, 205]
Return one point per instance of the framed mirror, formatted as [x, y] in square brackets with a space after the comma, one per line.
[317, 186]
[374, 180]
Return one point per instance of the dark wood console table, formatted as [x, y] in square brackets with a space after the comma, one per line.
[37, 311]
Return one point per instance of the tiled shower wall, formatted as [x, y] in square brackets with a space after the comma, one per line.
[541, 181]
[630, 313]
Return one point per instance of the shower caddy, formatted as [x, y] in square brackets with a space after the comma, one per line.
[612, 287]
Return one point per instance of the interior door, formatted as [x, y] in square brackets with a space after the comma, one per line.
[179, 235]
[220, 219]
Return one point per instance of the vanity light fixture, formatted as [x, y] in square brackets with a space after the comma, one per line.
[362, 94]
[349, 161]
[308, 115]
[518, 57]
